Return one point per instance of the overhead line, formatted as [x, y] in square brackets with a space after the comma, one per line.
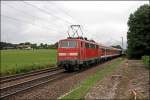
[64, 11]
[12, 18]
[29, 15]
[46, 12]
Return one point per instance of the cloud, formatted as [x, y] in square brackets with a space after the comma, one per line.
[48, 21]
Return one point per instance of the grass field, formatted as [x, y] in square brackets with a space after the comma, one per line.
[18, 61]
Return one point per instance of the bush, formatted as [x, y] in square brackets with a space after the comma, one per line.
[146, 60]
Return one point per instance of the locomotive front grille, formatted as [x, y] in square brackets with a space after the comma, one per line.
[68, 62]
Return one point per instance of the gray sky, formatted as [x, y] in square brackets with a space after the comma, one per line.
[48, 21]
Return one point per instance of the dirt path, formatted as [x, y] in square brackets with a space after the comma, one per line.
[129, 81]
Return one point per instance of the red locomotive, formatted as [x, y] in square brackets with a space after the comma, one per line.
[77, 52]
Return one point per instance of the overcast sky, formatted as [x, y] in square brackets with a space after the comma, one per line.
[48, 21]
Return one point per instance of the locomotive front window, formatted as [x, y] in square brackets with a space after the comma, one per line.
[69, 44]
[72, 44]
[64, 44]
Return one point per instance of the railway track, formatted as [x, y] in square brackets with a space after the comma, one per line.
[38, 78]
[24, 75]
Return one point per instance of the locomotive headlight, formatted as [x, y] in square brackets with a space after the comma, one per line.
[73, 54]
[62, 54]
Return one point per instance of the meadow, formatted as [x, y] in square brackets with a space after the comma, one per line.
[20, 61]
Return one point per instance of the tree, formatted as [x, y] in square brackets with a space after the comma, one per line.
[41, 45]
[138, 35]
[34, 46]
[56, 45]
[21, 43]
[27, 43]
[45, 46]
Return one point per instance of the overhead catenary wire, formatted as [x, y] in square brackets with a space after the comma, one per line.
[65, 12]
[49, 13]
[23, 12]
[18, 20]
[69, 16]
[46, 12]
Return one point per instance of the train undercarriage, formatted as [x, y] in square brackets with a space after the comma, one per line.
[72, 65]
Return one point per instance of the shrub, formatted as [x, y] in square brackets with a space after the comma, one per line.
[146, 60]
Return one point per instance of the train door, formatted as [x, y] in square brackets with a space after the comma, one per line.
[82, 53]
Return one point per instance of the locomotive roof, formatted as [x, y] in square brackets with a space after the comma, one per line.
[89, 41]
[93, 42]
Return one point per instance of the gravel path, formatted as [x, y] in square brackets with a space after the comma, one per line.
[59, 87]
[132, 75]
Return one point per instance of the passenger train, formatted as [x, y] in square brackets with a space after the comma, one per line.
[78, 52]
[74, 53]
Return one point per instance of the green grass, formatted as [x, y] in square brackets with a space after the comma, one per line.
[146, 60]
[80, 91]
[19, 61]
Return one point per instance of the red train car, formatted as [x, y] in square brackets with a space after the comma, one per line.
[74, 53]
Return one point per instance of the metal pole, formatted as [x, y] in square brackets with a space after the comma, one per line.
[122, 44]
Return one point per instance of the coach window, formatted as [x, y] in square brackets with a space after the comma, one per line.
[96, 46]
[92, 46]
[87, 45]
[81, 44]
[103, 49]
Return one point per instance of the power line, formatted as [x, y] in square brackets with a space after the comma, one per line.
[64, 11]
[29, 15]
[42, 10]
[48, 12]
[18, 20]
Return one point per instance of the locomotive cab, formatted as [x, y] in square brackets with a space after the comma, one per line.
[68, 53]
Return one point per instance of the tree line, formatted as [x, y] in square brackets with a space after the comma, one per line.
[5, 45]
[138, 35]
